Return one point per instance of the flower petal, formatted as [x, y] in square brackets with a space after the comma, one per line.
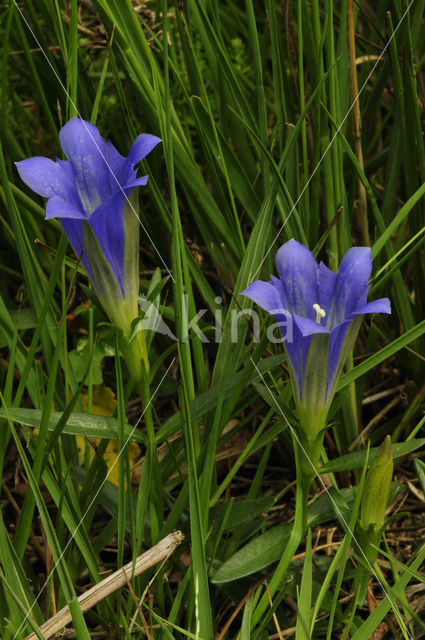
[341, 341]
[327, 281]
[142, 145]
[116, 164]
[42, 175]
[352, 278]
[86, 149]
[383, 305]
[74, 233]
[298, 272]
[137, 182]
[108, 225]
[297, 348]
[58, 208]
[309, 327]
[265, 294]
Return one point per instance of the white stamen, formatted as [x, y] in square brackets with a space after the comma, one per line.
[320, 313]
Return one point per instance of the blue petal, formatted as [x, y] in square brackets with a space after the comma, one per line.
[297, 350]
[136, 182]
[58, 208]
[265, 294]
[107, 223]
[298, 270]
[86, 149]
[142, 145]
[117, 165]
[336, 341]
[41, 174]
[309, 327]
[352, 278]
[383, 305]
[74, 233]
[327, 281]
[48, 178]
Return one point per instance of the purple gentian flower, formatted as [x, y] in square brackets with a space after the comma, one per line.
[92, 194]
[325, 310]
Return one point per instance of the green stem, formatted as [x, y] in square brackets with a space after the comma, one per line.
[135, 355]
[296, 536]
[151, 459]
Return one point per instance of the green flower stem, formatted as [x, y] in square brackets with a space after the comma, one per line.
[295, 538]
[136, 358]
[151, 458]
[309, 450]
[135, 355]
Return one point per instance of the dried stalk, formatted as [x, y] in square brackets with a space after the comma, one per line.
[116, 580]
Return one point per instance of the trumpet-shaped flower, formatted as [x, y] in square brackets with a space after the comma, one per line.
[89, 193]
[93, 195]
[325, 311]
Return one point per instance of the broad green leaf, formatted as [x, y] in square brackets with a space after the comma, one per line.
[78, 424]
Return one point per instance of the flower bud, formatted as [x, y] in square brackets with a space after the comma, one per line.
[375, 499]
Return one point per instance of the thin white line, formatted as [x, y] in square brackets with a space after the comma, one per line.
[294, 433]
[93, 500]
[333, 137]
[94, 141]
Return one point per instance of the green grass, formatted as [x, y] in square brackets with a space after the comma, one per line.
[253, 105]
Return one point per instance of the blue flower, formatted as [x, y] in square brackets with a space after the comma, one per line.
[92, 194]
[324, 310]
